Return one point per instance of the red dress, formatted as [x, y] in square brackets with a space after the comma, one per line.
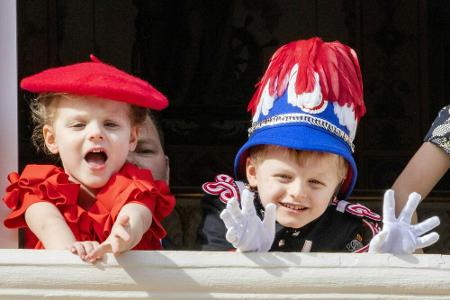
[49, 183]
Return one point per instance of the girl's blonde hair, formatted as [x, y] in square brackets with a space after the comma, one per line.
[258, 153]
[43, 113]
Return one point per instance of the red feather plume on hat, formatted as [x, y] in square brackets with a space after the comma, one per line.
[336, 65]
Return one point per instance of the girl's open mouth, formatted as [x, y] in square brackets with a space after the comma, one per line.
[96, 158]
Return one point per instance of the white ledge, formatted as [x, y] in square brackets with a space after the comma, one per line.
[38, 274]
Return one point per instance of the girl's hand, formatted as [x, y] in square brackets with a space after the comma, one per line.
[118, 241]
[82, 249]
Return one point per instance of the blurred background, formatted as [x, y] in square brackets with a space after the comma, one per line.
[206, 56]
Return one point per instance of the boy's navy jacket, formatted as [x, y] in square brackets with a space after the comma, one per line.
[343, 227]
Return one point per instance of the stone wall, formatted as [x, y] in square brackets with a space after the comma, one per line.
[34, 274]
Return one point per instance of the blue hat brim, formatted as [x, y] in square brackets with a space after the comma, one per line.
[300, 137]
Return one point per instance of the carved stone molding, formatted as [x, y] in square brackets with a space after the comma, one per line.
[38, 274]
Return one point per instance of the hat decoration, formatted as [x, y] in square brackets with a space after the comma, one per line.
[96, 78]
[310, 98]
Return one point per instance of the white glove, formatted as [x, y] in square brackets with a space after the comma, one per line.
[246, 232]
[398, 235]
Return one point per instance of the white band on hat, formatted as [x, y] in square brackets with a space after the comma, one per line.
[302, 118]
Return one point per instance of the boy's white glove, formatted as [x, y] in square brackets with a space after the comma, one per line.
[398, 235]
[246, 232]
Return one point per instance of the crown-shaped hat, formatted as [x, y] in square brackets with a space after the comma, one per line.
[310, 98]
[95, 78]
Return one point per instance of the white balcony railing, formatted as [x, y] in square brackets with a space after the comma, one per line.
[38, 274]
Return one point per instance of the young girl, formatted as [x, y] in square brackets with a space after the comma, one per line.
[88, 114]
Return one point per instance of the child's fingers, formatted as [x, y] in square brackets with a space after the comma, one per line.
[248, 208]
[235, 211]
[377, 242]
[270, 216]
[425, 226]
[90, 246]
[90, 250]
[389, 207]
[123, 220]
[115, 243]
[232, 236]
[410, 207]
[227, 218]
[427, 240]
[78, 248]
[122, 233]
[99, 251]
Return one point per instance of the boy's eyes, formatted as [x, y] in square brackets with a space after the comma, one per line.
[283, 176]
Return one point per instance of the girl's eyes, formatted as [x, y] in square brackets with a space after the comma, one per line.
[77, 125]
[111, 124]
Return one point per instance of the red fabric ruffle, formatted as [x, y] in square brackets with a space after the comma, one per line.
[39, 183]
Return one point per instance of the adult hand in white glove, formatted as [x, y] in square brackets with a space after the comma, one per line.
[246, 232]
[398, 235]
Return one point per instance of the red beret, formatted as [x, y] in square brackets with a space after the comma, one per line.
[96, 79]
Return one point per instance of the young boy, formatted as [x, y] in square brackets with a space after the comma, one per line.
[298, 162]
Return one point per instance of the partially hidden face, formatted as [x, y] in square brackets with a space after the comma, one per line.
[300, 188]
[92, 137]
[149, 153]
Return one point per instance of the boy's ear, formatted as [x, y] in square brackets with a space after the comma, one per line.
[250, 170]
[50, 138]
[133, 138]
